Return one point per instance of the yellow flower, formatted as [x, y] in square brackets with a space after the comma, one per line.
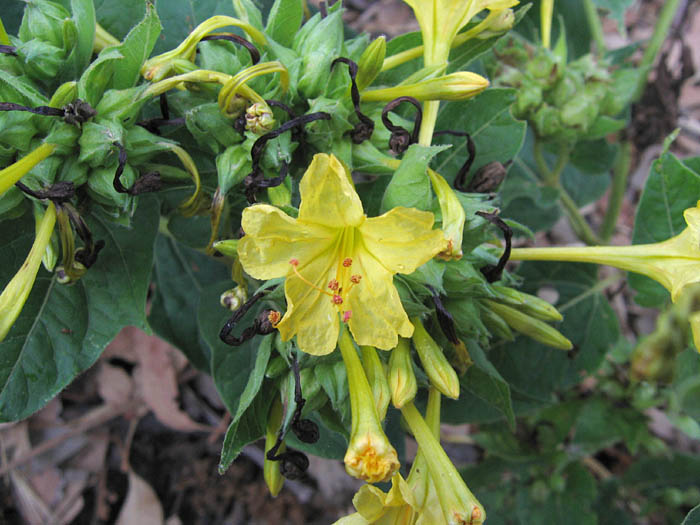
[337, 262]
[441, 20]
[674, 263]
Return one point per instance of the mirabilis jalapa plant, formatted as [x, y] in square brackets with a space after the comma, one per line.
[282, 117]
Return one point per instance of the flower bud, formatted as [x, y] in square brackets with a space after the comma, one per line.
[319, 42]
[441, 374]
[453, 216]
[234, 298]
[271, 469]
[496, 325]
[460, 85]
[374, 368]
[529, 326]
[402, 378]
[229, 247]
[530, 304]
[370, 63]
[44, 21]
[501, 22]
[259, 118]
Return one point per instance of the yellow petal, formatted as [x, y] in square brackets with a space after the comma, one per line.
[311, 315]
[327, 195]
[402, 239]
[273, 238]
[378, 317]
[369, 502]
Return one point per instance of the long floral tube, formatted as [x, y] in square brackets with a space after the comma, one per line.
[14, 172]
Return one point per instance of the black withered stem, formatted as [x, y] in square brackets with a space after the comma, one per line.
[59, 192]
[493, 273]
[281, 105]
[164, 107]
[447, 322]
[145, 184]
[254, 53]
[154, 124]
[251, 331]
[8, 50]
[363, 129]
[75, 112]
[256, 179]
[305, 429]
[39, 110]
[460, 180]
[87, 255]
[400, 138]
[323, 9]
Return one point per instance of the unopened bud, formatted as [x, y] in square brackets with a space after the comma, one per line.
[529, 326]
[259, 118]
[402, 378]
[271, 469]
[229, 247]
[530, 304]
[234, 298]
[441, 374]
[374, 369]
[501, 23]
[370, 63]
[460, 85]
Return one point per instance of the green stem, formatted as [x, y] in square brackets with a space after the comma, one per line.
[578, 222]
[595, 26]
[663, 24]
[103, 39]
[430, 114]
[617, 192]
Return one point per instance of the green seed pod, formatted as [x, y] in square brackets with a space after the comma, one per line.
[402, 378]
[97, 142]
[44, 20]
[100, 185]
[121, 105]
[142, 145]
[210, 128]
[65, 137]
[12, 204]
[42, 61]
[276, 367]
[74, 171]
[18, 130]
[496, 325]
[64, 94]
[529, 326]
[529, 97]
[565, 89]
[370, 63]
[441, 374]
[374, 370]
[547, 121]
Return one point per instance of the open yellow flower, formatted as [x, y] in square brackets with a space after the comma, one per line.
[337, 262]
[441, 20]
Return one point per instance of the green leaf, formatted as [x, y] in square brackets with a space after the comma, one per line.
[180, 274]
[537, 371]
[250, 427]
[334, 380]
[650, 474]
[84, 17]
[12, 11]
[616, 10]
[98, 76]
[671, 188]
[135, 49]
[62, 329]
[487, 118]
[410, 185]
[693, 517]
[284, 21]
[117, 18]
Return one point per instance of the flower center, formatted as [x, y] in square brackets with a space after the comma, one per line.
[338, 287]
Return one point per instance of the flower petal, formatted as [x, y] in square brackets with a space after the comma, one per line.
[327, 195]
[273, 238]
[402, 239]
[378, 317]
[311, 315]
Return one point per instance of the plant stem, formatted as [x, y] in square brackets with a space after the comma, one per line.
[663, 24]
[595, 26]
[430, 113]
[103, 39]
[578, 222]
[617, 192]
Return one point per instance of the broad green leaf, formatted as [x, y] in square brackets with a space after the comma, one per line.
[334, 380]
[180, 273]
[487, 118]
[84, 17]
[537, 371]
[651, 474]
[485, 382]
[247, 429]
[117, 18]
[62, 329]
[135, 49]
[671, 188]
[410, 184]
[284, 20]
[99, 75]
[12, 15]
[256, 376]
[693, 517]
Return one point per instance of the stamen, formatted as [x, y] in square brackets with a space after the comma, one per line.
[347, 262]
[333, 284]
[294, 262]
[347, 314]
[337, 299]
[355, 279]
[274, 317]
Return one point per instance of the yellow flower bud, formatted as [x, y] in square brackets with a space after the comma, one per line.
[369, 456]
[453, 216]
[402, 378]
[498, 23]
[460, 85]
[374, 368]
[14, 172]
[370, 63]
[441, 374]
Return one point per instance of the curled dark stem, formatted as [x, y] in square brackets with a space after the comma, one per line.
[256, 179]
[154, 124]
[364, 128]
[8, 50]
[258, 327]
[323, 9]
[493, 273]
[447, 322]
[400, 138]
[281, 105]
[145, 184]
[460, 178]
[76, 112]
[305, 429]
[59, 192]
[164, 107]
[87, 255]
[254, 53]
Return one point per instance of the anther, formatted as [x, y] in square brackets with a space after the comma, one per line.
[355, 279]
[337, 299]
[274, 317]
[294, 262]
[333, 285]
[347, 314]
[347, 262]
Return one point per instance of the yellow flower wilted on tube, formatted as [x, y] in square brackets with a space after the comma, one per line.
[339, 264]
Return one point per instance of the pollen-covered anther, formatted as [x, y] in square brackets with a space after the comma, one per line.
[333, 284]
[274, 317]
[294, 262]
[337, 299]
[355, 279]
[347, 314]
[347, 262]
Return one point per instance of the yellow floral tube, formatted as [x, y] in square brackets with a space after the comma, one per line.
[461, 85]
[14, 172]
[546, 11]
[17, 290]
[370, 456]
